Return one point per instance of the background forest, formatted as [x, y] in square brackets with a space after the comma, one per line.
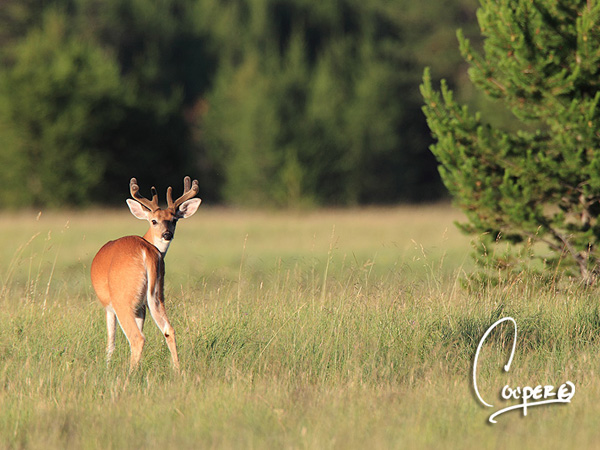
[270, 102]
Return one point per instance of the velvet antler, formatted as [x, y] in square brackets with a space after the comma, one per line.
[151, 205]
[190, 190]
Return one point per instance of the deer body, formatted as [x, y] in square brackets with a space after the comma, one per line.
[128, 273]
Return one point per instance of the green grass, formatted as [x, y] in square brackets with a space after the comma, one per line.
[327, 329]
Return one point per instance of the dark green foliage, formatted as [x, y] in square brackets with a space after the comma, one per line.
[540, 184]
[91, 96]
[320, 106]
[279, 102]
[59, 93]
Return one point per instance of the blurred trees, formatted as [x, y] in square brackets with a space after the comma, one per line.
[280, 102]
[60, 92]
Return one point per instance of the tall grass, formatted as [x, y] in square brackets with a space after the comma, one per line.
[336, 329]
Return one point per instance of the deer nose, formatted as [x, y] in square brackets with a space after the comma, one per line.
[167, 235]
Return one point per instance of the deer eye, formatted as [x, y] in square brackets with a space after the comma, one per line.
[154, 222]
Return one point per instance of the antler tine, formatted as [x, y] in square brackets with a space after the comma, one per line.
[190, 189]
[187, 182]
[154, 196]
[170, 204]
[135, 193]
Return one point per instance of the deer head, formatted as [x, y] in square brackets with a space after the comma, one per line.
[163, 221]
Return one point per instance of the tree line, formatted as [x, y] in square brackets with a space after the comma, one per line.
[270, 102]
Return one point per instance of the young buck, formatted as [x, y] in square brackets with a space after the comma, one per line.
[128, 273]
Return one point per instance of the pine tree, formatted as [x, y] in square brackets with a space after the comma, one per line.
[540, 184]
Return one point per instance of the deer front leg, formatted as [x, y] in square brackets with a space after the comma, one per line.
[170, 338]
[159, 314]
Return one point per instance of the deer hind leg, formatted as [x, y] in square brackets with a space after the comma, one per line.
[111, 327]
[129, 324]
[140, 316]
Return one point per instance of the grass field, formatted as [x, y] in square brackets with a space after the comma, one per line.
[326, 329]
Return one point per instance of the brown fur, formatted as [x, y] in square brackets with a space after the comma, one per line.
[128, 275]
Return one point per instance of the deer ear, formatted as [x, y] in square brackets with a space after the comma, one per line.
[188, 208]
[137, 210]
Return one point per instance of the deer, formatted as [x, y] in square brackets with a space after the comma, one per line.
[128, 273]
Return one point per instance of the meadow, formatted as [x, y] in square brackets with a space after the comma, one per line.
[318, 329]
